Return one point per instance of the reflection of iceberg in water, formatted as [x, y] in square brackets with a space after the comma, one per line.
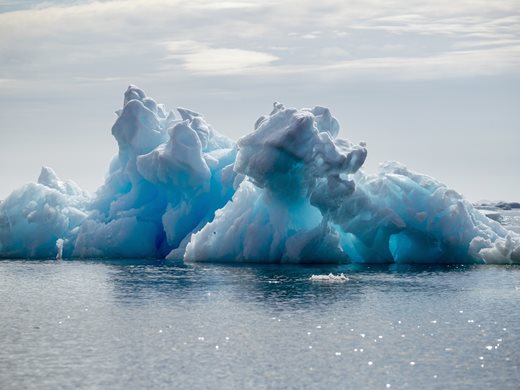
[289, 192]
[240, 284]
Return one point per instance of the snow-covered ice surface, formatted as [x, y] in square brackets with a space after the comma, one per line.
[291, 191]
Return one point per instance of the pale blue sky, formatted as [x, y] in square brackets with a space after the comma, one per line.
[433, 84]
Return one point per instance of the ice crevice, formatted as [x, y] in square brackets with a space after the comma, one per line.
[291, 191]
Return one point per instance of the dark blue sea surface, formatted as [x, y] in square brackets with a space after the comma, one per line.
[128, 324]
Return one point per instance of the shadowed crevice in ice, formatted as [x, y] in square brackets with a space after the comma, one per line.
[291, 191]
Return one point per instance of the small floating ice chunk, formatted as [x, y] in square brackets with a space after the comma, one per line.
[329, 278]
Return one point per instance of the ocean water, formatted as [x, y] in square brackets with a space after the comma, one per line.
[134, 324]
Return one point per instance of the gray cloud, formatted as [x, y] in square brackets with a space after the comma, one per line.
[90, 40]
[64, 64]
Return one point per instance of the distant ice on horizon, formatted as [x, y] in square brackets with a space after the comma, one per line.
[288, 192]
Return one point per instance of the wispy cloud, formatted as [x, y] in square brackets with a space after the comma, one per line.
[123, 38]
[198, 58]
[464, 63]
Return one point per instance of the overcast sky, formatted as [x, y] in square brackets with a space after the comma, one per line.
[433, 84]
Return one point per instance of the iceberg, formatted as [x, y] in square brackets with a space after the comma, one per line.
[291, 191]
